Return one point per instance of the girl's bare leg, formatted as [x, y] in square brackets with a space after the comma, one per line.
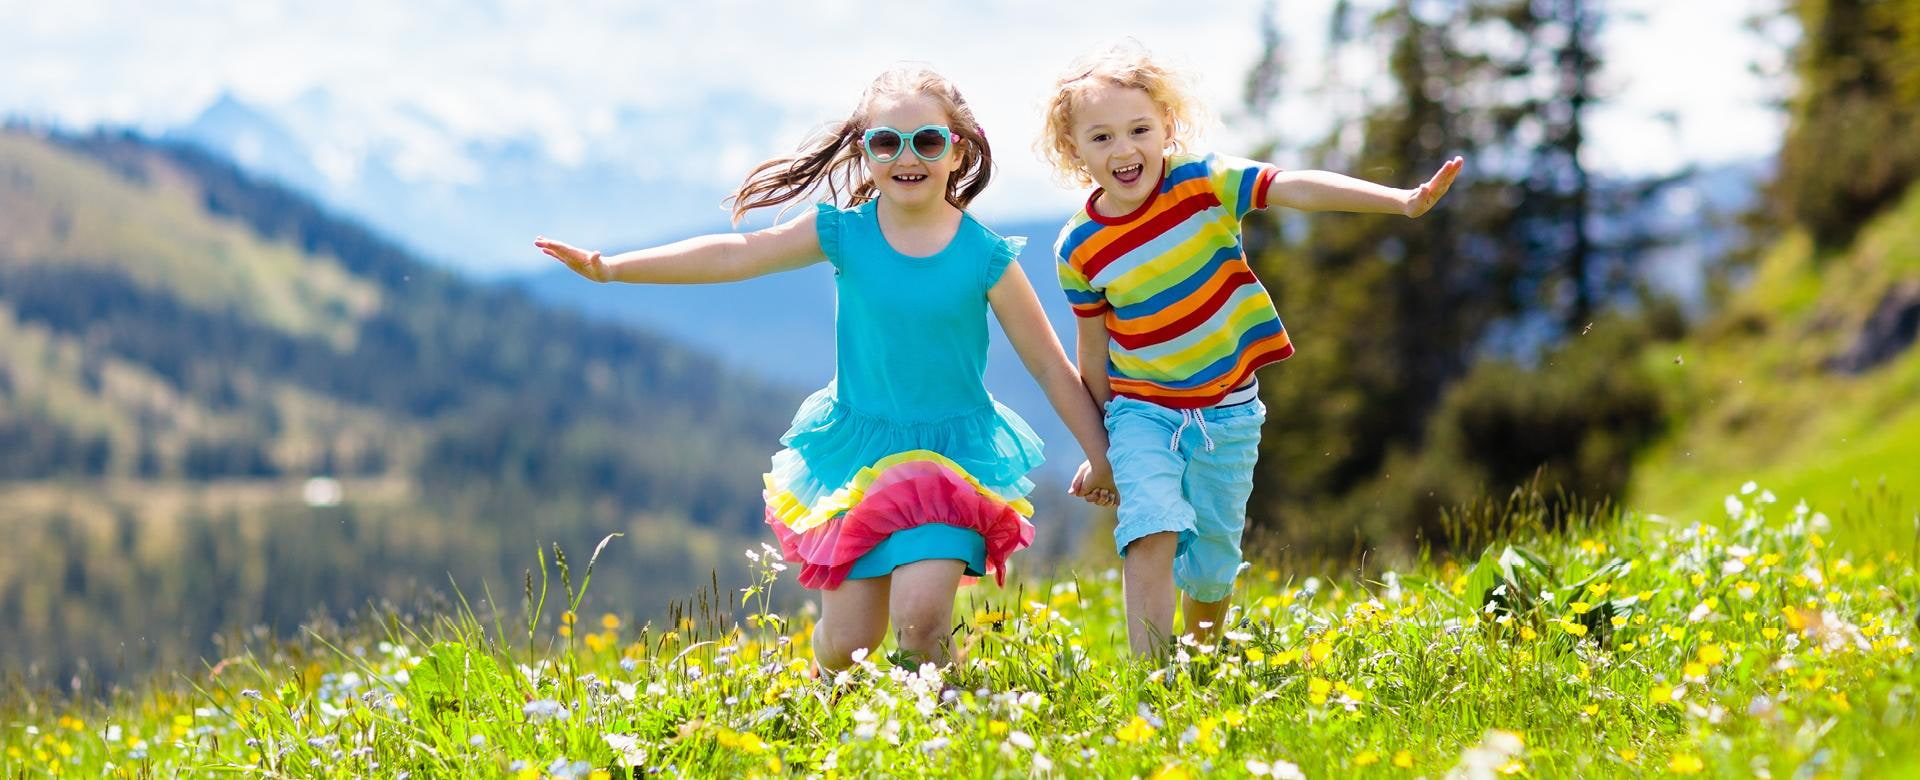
[922, 606]
[852, 617]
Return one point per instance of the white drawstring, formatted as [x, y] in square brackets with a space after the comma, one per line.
[1193, 416]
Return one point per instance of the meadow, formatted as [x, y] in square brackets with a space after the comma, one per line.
[1769, 640]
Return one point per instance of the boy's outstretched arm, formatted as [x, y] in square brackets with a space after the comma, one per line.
[1328, 191]
[1025, 323]
[721, 257]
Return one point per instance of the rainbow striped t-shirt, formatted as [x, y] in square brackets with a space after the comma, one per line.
[1187, 320]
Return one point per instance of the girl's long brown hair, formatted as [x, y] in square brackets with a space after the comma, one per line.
[833, 155]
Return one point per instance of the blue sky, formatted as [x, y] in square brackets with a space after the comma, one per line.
[635, 84]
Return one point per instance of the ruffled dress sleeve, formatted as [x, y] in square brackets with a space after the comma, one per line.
[827, 225]
[1005, 251]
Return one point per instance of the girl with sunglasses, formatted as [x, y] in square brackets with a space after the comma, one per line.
[903, 475]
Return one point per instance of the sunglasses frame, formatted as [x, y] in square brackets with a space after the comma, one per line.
[947, 136]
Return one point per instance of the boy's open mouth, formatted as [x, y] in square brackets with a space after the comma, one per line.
[1128, 174]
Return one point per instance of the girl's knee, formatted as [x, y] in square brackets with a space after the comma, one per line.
[835, 652]
[922, 629]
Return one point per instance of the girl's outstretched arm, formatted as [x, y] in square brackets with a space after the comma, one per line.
[721, 257]
[1020, 315]
[1327, 191]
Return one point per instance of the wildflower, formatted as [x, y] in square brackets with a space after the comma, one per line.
[1317, 690]
[1366, 758]
[1020, 739]
[610, 621]
[569, 770]
[1579, 607]
[1703, 610]
[545, 710]
[1403, 759]
[1686, 764]
[1171, 772]
[1712, 655]
[1137, 730]
[1203, 736]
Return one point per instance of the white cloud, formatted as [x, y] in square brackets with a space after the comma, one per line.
[560, 73]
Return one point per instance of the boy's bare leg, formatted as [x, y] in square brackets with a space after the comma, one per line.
[1204, 618]
[1148, 580]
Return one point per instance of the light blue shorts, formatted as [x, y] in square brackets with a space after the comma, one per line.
[1188, 472]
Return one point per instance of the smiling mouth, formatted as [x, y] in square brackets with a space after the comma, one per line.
[910, 178]
[1128, 174]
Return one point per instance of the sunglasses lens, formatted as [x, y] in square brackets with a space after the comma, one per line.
[930, 143]
[884, 145]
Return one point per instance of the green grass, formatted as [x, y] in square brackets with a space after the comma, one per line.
[1737, 646]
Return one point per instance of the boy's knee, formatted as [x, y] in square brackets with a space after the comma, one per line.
[1155, 545]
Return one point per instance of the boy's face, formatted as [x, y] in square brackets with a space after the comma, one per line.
[1120, 136]
[908, 180]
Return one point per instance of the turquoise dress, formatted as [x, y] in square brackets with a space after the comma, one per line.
[904, 456]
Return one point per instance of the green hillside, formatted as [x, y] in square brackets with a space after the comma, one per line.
[1806, 382]
[182, 347]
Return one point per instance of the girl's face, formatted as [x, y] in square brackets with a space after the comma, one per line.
[1120, 137]
[907, 180]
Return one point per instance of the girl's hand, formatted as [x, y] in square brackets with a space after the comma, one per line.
[583, 262]
[1095, 484]
[1421, 199]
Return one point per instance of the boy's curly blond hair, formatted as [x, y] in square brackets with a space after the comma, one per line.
[1125, 64]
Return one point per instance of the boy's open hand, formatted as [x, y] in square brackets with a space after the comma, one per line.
[583, 262]
[1095, 484]
[1422, 198]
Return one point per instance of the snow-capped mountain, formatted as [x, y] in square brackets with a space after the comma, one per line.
[475, 197]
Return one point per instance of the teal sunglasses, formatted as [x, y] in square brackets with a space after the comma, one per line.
[928, 142]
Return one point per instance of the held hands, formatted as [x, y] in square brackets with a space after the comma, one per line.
[1422, 198]
[583, 262]
[1095, 484]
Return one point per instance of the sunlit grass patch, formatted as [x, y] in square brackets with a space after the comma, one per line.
[1749, 644]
